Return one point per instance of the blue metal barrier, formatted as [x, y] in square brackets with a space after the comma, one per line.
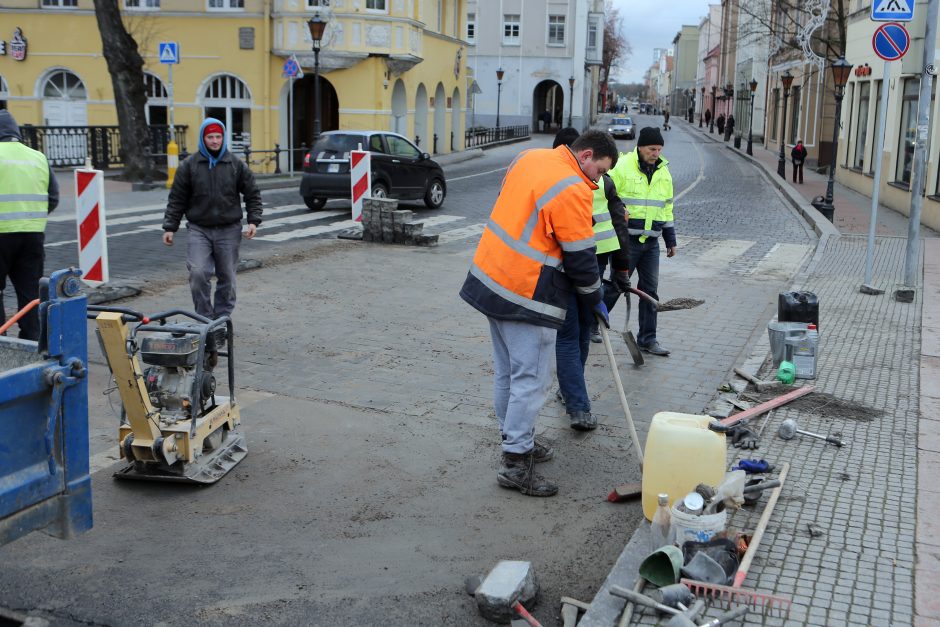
[44, 479]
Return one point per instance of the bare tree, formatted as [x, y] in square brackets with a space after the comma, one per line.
[789, 25]
[616, 47]
[126, 67]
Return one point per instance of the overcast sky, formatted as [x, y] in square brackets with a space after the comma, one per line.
[649, 24]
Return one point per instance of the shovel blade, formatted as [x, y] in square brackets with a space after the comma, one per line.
[635, 352]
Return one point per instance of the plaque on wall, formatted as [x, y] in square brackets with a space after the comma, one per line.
[246, 38]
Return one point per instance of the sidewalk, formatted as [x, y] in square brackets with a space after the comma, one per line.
[852, 539]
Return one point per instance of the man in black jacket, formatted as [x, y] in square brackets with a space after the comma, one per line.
[208, 189]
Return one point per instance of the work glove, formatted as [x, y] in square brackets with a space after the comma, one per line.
[743, 437]
[622, 281]
[600, 310]
[754, 466]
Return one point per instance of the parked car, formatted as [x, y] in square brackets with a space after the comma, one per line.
[622, 127]
[399, 169]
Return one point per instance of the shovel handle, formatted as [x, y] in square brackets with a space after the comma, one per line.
[619, 385]
[524, 615]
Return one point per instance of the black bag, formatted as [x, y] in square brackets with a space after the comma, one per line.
[798, 307]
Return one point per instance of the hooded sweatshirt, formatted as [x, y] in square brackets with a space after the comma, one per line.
[10, 132]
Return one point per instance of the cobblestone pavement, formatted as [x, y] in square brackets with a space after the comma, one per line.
[844, 535]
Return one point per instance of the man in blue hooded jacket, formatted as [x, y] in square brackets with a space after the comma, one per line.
[208, 189]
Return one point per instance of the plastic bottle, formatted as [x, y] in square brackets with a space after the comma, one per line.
[661, 526]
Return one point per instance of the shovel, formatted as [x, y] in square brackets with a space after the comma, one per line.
[628, 337]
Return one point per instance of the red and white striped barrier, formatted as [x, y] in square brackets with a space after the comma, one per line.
[90, 221]
[360, 179]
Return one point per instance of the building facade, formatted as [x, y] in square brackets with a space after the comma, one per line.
[685, 61]
[549, 54]
[384, 64]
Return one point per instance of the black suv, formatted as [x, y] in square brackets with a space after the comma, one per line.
[399, 169]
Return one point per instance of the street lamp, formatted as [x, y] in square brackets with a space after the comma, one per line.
[750, 126]
[701, 111]
[711, 126]
[499, 90]
[737, 131]
[729, 94]
[571, 98]
[317, 25]
[840, 76]
[786, 79]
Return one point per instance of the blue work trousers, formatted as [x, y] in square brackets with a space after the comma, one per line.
[571, 353]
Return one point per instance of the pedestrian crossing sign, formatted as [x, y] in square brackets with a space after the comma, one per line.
[169, 52]
[892, 10]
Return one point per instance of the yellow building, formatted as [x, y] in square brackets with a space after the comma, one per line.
[384, 64]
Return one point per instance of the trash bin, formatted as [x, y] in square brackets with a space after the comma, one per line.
[778, 333]
[820, 204]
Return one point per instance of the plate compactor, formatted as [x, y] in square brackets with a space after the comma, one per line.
[174, 427]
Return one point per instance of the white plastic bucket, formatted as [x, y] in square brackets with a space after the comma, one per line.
[692, 528]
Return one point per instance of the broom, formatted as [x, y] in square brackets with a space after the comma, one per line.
[735, 593]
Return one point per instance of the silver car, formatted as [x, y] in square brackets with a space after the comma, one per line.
[622, 127]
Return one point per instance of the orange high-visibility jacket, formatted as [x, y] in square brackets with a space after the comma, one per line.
[538, 246]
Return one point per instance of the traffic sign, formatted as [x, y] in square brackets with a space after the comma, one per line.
[891, 41]
[892, 10]
[292, 68]
[169, 52]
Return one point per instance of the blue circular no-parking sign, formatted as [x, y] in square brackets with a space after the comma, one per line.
[891, 41]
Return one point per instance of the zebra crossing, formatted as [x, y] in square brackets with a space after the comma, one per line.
[698, 256]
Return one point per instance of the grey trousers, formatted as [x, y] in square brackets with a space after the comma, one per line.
[213, 250]
[523, 361]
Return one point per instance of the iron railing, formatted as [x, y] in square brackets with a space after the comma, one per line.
[480, 136]
[70, 145]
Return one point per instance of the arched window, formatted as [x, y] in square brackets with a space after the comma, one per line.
[227, 98]
[158, 100]
[64, 100]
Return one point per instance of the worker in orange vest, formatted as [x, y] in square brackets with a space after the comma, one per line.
[537, 249]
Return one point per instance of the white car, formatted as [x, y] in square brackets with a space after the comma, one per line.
[622, 127]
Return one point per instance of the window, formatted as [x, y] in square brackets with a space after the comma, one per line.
[850, 102]
[795, 103]
[376, 5]
[875, 150]
[907, 132]
[556, 29]
[776, 113]
[226, 5]
[471, 26]
[141, 4]
[861, 126]
[59, 3]
[401, 147]
[510, 29]
[592, 34]
[315, 4]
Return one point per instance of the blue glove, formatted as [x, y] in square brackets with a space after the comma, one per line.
[754, 466]
[600, 310]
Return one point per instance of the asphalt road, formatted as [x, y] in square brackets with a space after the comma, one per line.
[369, 494]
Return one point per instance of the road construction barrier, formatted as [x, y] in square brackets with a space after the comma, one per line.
[360, 180]
[90, 222]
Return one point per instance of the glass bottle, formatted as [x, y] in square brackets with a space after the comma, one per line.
[661, 525]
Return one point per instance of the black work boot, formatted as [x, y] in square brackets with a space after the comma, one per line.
[542, 452]
[517, 473]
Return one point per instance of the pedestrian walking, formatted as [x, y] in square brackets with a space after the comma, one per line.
[29, 192]
[798, 156]
[666, 120]
[729, 127]
[208, 189]
[644, 184]
[720, 123]
[536, 250]
[573, 343]
[708, 116]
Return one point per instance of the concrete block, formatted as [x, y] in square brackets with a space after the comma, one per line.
[508, 582]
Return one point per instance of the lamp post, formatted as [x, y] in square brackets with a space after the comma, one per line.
[571, 98]
[729, 95]
[740, 97]
[750, 126]
[317, 25]
[711, 126]
[786, 79]
[701, 111]
[840, 76]
[499, 91]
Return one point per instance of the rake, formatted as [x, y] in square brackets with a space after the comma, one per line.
[735, 593]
